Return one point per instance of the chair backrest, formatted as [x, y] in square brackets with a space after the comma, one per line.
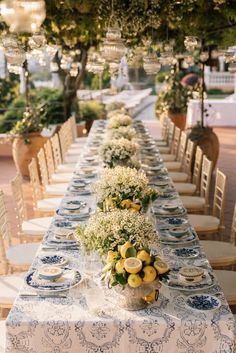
[197, 169]
[17, 192]
[49, 158]
[43, 167]
[207, 168]
[182, 147]
[73, 126]
[63, 141]
[5, 233]
[165, 127]
[219, 196]
[56, 149]
[176, 141]
[171, 130]
[188, 158]
[233, 228]
[69, 132]
[35, 181]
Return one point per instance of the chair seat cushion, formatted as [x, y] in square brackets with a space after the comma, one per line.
[2, 335]
[22, 254]
[66, 168]
[71, 158]
[178, 176]
[203, 223]
[168, 157]
[73, 151]
[80, 140]
[185, 188]
[36, 226]
[9, 288]
[56, 189]
[219, 252]
[61, 177]
[193, 202]
[176, 166]
[227, 281]
[50, 204]
[161, 143]
[164, 149]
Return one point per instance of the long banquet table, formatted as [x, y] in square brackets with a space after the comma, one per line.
[69, 323]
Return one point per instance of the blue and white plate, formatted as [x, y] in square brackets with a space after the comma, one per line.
[186, 253]
[203, 302]
[73, 204]
[60, 223]
[176, 221]
[161, 212]
[167, 239]
[75, 214]
[58, 260]
[69, 279]
[173, 281]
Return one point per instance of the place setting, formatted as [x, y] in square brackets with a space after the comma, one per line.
[75, 210]
[176, 235]
[168, 209]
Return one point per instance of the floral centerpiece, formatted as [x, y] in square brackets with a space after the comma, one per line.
[124, 188]
[119, 120]
[108, 231]
[126, 132]
[117, 152]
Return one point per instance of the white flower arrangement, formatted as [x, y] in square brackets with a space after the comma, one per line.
[126, 132]
[107, 231]
[125, 188]
[119, 120]
[117, 151]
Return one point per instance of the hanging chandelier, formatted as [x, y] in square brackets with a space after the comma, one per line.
[151, 64]
[23, 16]
[14, 52]
[113, 48]
[191, 43]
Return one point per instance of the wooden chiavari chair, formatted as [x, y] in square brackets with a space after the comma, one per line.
[174, 147]
[40, 203]
[194, 187]
[29, 229]
[200, 204]
[60, 167]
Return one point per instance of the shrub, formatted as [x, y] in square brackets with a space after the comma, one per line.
[91, 110]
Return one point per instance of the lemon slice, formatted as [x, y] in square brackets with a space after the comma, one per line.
[161, 266]
[133, 265]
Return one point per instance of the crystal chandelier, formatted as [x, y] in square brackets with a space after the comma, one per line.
[191, 43]
[13, 50]
[151, 64]
[113, 47]
[23, 16]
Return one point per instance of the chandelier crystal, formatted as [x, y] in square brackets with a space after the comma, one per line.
[23, 16]
[151, 64]
[191, 43]
[113, 47]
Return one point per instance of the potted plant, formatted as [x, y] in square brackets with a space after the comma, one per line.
[91, 110]
[173, 99]
[27, 139]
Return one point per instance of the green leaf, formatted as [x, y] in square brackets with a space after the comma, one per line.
[120, 278]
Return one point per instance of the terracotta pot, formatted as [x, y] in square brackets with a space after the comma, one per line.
[208, 141]
[88, 125]
[24, 152]
[179, 119]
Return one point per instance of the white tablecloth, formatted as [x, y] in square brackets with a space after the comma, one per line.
[221, 112]
[68, 325]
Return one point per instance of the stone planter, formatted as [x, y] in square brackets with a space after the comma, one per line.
[24, 152]
[179, 119]
[206, 138]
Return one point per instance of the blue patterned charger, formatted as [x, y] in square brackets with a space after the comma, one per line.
[53, 260]
[64, 224]
[186, 253]
[203, 302]
[68, 280]
[176, 221]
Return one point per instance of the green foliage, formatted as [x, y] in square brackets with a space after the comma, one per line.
[9, 89]
[46, 100]
[174, 96]
[91, 110]
[161, 76]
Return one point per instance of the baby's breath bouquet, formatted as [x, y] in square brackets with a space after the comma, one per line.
[119, 120]
[108, 231]
[117, 152]
[124, 188]
[126, 132]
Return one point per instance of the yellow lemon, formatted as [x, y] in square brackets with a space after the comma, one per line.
[134, 280]
[133, 265]
[120, 266]
[111, 255]
[126, 203]
[161, 266]
[144, 256]
[124, 248]
[151, 297]
[149, 274]
[135, 206]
